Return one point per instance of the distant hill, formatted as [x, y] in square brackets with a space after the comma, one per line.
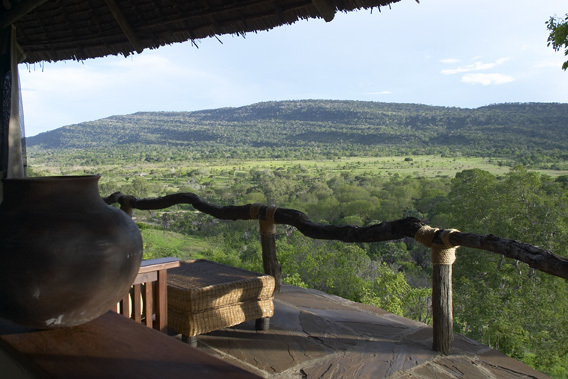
[328, 126]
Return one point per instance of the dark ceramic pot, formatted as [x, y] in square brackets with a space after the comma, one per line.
[66, 257]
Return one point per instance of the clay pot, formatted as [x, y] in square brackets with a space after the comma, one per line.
[66, 257]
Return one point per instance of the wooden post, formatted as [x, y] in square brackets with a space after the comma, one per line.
[268, 242]
[443, 256]
[269, 259]
[12, 163]
[442, 308]
[148, 297]
[5, 99]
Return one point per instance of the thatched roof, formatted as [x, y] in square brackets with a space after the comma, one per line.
[81, 29]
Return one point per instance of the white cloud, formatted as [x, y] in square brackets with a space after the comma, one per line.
[450, 61]
[477, 66]
[471, 77]
[379, 93]
[487, 79]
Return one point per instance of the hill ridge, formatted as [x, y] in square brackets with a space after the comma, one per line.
[336, 126]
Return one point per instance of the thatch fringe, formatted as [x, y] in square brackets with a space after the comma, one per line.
[81, 29]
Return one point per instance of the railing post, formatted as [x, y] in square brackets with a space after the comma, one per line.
[268, 242]
[443, 256]
[161, 296]
[442, 308]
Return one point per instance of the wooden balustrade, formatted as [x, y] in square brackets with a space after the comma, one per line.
[147, 300]
[268, 216]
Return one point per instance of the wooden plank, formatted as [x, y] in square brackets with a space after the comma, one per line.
[148, 304]
[136, 303]
[110, 346]
[161, 297]
[124, 25]
[158, 264]
[146, 277]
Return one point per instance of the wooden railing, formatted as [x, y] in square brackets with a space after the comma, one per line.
[147, 300]
[442, 242]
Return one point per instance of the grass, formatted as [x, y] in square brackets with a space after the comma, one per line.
[425, 165]
[159, 243]
[221, 171]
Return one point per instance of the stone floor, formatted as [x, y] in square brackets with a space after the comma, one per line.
[316, 335]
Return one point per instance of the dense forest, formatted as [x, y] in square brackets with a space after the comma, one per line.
[498, 301]
[531, 134]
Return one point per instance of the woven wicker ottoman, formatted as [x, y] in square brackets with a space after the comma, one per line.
[204, 296]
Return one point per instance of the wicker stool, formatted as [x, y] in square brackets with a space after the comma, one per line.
[204, 296]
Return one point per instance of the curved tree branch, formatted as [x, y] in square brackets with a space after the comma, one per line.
[535, 257]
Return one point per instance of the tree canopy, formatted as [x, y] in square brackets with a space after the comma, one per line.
[558, 37]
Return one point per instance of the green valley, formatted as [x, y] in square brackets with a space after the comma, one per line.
[501, 169]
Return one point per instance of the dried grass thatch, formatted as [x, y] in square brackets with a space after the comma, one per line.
[81, 29]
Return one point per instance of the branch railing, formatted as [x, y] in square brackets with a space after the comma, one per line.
[442, 242]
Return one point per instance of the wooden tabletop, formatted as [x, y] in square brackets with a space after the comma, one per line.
[112, 346]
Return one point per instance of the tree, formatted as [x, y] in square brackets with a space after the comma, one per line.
[499, 301]
[558, 37]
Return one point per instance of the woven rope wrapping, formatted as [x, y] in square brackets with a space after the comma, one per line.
[266, 226]
[441, 254]
[126, 205]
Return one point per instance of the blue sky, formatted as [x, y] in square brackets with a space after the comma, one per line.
[440, 52]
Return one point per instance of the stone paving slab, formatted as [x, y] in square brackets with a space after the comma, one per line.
[373, 360]
[503, 366]
[317, 335]
[461, 345]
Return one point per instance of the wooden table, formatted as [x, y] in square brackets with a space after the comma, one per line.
[111, 346]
